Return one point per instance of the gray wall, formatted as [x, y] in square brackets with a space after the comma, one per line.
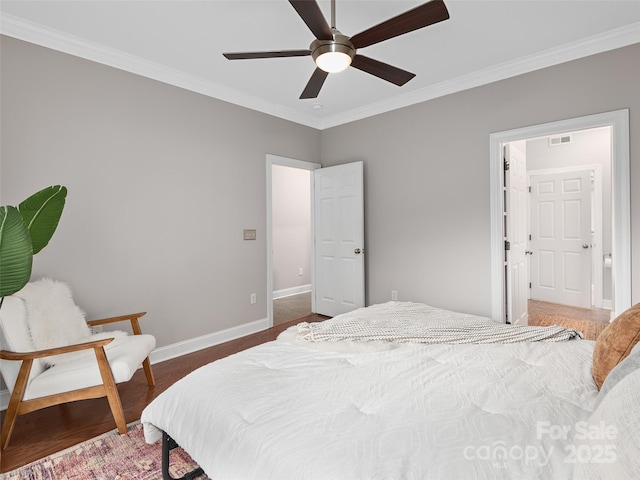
[161, 182]
[291, 222]
[427, 174]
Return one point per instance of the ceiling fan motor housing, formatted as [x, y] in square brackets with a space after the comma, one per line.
[339, 44]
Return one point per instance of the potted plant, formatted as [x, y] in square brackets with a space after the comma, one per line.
[24, 231]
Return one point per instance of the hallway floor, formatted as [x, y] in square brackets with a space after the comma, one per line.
[539, 308]
[291, 307]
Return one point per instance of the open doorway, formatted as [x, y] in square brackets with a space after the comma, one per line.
[620, 275]
[558, 225]
[289, 239]
[291, 227]
[337, 232]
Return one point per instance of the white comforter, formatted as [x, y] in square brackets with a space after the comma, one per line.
[287, 412]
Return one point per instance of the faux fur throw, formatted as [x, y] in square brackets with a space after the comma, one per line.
[54, 320]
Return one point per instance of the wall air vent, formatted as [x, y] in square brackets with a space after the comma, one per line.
[561, 140]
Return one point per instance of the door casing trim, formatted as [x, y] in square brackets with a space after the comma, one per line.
[621, 201]
[287, 162]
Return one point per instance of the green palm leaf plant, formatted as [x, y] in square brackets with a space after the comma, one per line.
[24, 231]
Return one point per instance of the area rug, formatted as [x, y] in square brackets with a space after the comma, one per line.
[590, 329]
[110, 456]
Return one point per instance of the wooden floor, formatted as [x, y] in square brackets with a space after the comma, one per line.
[537, 308]
[52, 429]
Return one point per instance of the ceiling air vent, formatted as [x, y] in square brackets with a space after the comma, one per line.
[561, 140]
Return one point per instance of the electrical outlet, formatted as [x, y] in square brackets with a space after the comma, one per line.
[249, 234]
[253, 298]
[394, 295]
[300, 271]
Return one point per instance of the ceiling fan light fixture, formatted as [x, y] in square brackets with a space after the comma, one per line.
[333, 56]
[333, 62]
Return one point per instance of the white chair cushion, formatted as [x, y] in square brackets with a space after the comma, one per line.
[14, 336]
[44, 311]
[125, 354]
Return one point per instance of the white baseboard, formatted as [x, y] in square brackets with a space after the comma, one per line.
[178, 349]
[198, 343]
[287, 292]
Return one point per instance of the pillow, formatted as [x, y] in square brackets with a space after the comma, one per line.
[606, 445]
[54, 320]
[615, 342]
[624, 368]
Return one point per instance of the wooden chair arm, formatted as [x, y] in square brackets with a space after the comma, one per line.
[132, 317]
[8, 355]
[104, 321]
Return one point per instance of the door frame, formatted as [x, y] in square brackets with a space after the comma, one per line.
[618, 120]
[293, 163]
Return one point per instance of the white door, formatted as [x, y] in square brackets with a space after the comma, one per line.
[516, 230]
[339, 239]
[561, 238]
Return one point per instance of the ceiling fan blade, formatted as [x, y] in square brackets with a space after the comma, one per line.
[422, 16]
[311, 14]
[314, 85]
[276, 54]
[382, 70]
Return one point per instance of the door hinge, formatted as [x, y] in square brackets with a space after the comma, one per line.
[507, 245]
[506, 164]
[529, 284]
[529, 189]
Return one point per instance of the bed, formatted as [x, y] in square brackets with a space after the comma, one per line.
[402, 391]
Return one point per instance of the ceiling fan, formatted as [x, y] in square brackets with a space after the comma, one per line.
[333, 52]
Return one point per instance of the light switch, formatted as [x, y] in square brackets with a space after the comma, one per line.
[249, 234]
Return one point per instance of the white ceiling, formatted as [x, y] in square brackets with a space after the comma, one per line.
[181, 42]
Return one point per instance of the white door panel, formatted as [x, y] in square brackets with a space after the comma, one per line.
[339, 237]
[546, 263]
[572, 269]
[516, 231]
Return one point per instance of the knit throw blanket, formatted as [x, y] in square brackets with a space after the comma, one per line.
[407, 322]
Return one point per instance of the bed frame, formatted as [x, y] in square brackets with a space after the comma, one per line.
[169, 444]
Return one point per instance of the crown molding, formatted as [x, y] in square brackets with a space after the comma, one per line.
[38, 34]
[31, 32]
[617, 38]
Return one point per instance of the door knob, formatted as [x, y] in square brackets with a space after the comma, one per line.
[585, 245]
[357, 251]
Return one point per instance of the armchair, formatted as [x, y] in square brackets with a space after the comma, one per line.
[45, 369]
